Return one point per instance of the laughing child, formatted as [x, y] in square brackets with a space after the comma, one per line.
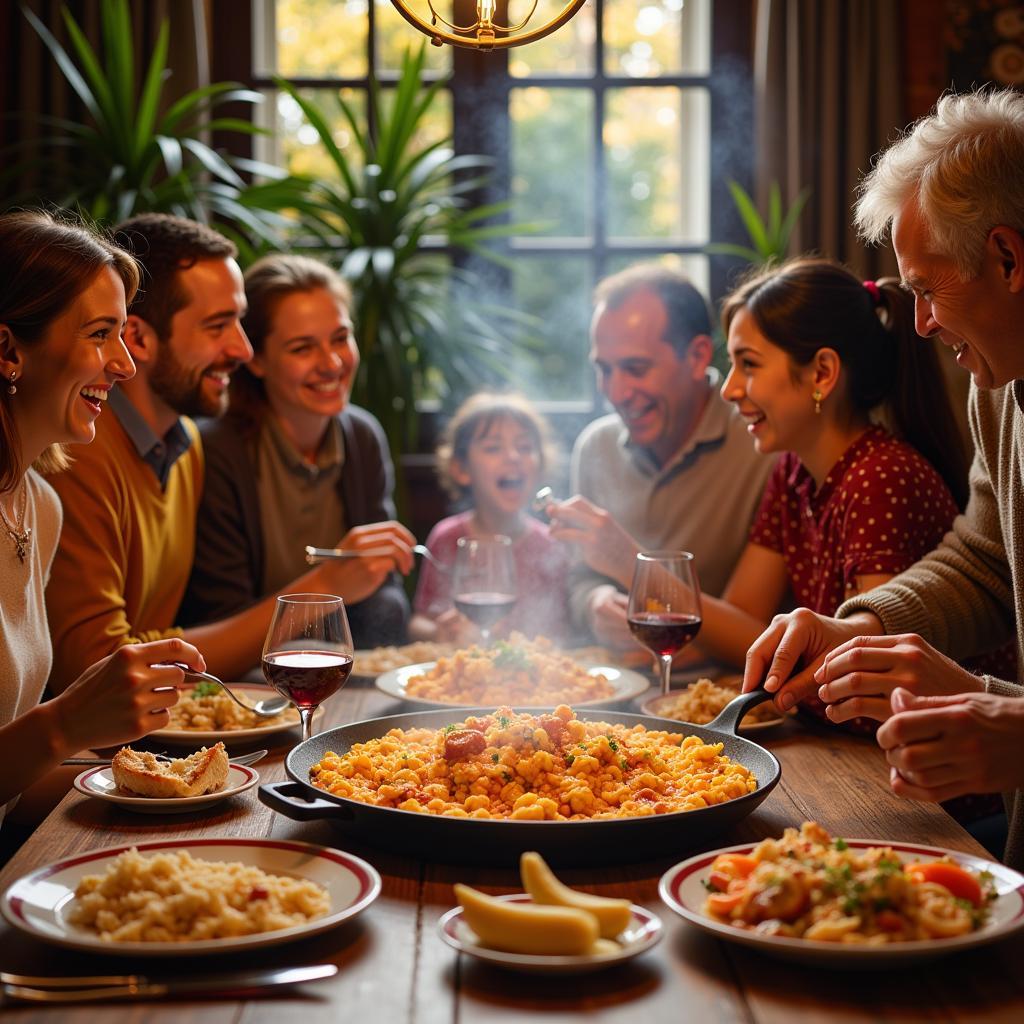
[492, 458]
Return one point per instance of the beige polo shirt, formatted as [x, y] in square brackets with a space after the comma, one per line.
[702, 500]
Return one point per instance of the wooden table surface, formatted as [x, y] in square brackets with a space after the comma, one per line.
[395, 968]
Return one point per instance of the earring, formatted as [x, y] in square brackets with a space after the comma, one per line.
[11, 389]
[817, 396]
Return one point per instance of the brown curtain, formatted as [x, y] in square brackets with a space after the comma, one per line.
[828, 96]
[828, 80]
[32, 86]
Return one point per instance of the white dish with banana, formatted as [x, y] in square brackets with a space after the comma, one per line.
[550, 928]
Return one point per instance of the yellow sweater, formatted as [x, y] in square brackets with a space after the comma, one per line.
[125, 551]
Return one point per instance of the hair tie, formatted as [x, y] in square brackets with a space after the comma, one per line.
[873, 291]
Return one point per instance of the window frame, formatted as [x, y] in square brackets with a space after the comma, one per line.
[485, 128]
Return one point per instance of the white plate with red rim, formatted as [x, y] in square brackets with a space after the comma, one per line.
[643, 933]
[682, 889]
[625, 684]
[99, 783]
[248, 692]
[657, 706]
[39, 903]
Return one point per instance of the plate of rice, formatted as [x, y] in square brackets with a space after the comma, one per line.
[703, 700]
[187, 898]
[205, 714]
[517, 671]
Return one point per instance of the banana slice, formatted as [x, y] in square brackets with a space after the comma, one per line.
[613, 916]
[526, 927]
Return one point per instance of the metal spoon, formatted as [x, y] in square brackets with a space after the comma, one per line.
[543, 500]
[264, 708]
[316, 555]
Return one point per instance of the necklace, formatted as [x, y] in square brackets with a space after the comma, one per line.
[19, 533]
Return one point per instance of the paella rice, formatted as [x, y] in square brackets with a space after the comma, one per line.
[808, 885]
[383, 659]
[545, 767]
[513, 671]
[172, 896]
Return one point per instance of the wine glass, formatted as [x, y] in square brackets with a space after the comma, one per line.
[307, 655]
[484, 580]
[664, 605]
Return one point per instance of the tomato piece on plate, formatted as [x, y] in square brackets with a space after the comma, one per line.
[961, 883]
[729, 866]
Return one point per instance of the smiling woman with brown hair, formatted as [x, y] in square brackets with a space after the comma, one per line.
[294, 464]
[63, 293]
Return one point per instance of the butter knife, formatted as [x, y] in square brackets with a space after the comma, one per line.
[85, 762]
[137, 986]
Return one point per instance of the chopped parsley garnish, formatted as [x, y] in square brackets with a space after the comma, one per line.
[842, 883]
[569, 758]
[449, 728]
[205, 689]
[613, 745]
[511, 657]
[624, 764]
[495, 758]
[503, 721]
[841, 845]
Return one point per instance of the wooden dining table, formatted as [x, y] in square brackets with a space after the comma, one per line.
[394, 967]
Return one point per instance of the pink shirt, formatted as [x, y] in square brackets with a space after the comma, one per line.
[542, 568]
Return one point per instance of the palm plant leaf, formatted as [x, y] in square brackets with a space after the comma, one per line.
[116, 29]
[149, 99]
[769, 237]
[792, 216]
[752, 221]
[126, 156]
[67, 67]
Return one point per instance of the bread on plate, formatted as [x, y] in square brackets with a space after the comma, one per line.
[140, 772]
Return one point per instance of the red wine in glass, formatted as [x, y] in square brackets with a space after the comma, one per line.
[484, 580]
[664, 605]
[485, 608]
[307, 678]
[664, 634]
[307, 655]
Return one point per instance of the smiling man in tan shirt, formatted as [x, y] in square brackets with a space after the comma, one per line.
[672, 468]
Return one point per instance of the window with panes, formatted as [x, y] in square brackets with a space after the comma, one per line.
[612, 138]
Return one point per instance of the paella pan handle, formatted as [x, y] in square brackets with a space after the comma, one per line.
[291, 800]
[731, 715]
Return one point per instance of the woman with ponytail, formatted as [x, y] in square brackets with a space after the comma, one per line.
[820, 360]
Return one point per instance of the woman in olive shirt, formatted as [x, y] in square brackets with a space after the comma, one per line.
[293, 464]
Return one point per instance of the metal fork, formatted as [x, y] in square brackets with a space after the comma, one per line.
[264, 708]
[316, 555]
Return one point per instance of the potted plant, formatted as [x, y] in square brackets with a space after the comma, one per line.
[423, 319]
[135, 150]
[769, 236]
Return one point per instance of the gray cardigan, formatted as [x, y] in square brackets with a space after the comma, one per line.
[228, 569]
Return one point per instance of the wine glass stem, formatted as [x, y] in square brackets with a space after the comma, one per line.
[306, 715]
[666, 673]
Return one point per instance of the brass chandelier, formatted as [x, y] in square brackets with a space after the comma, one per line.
[484, 33]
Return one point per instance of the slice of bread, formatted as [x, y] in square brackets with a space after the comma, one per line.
[141, 773]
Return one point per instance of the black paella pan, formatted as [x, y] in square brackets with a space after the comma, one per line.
[474, 840]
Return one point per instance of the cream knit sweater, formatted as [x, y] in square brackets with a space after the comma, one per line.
[967, 596]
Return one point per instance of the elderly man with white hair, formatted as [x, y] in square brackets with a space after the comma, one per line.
[952, 193]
